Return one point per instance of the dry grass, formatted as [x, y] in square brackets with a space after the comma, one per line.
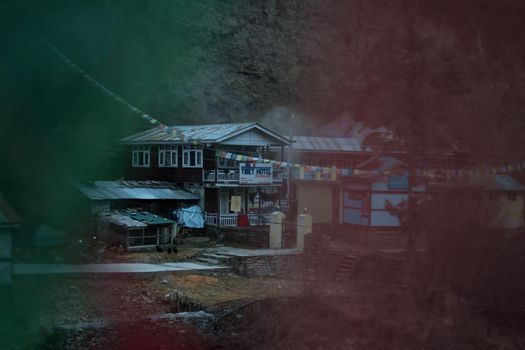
[208, 290]
[150, 257]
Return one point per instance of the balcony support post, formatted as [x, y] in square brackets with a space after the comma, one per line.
[216, 166]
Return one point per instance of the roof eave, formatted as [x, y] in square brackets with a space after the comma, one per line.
[258, 127]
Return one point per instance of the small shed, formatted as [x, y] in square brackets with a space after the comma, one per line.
[138, 229]
[155, 196]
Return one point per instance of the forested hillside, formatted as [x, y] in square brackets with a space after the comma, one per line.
[414, 64]
[437, 72]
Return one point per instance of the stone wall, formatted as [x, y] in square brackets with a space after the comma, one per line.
[370, 239]
[283, 265]
[254, 236]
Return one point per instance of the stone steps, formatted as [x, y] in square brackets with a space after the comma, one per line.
[221, 258]
[214, 259]
[208, 261]
[346, 267]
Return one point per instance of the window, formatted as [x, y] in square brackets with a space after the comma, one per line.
[141, 156]
[355, 208]
[168, 156]
[192, 157]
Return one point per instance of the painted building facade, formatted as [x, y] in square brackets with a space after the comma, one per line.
[365, 199]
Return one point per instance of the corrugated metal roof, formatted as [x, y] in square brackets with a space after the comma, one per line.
[207, 133]
[130, 218]
[505, 183]
[147, 190]
[326, 144]
[121, 219]
[149, 218]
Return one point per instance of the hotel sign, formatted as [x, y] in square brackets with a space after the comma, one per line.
[255, 173]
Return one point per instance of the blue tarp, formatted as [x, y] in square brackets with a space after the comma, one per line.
[192, 217]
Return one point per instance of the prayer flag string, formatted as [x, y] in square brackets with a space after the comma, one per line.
[114, 96]
[334, 172]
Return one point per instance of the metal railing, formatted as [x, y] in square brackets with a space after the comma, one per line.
[211, 219]
[259, 219]
[230, 220]
[222, 176]
[208, 176]
[233, 176]
[289, 231]
[283, 203]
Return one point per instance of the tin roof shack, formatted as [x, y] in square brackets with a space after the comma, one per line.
[159, 155]
[160, 197]
[320, 191]
[505, 196]
[9, 224]
[136, 230]
[372, 187]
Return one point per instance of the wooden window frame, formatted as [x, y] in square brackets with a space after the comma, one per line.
[138, 152]
[166, 151]
[187, 150]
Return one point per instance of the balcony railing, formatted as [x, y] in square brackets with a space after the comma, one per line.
[232, 176]
[260, 219]
[230, 220]
[222, 176]
[211, 219]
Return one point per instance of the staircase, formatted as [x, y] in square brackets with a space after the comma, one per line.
[347, 266]
[214, 259]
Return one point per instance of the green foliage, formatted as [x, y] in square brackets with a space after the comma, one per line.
[438, 74]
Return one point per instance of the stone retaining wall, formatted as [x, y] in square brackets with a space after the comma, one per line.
[372, 239]
[254, 236]
[284, 266]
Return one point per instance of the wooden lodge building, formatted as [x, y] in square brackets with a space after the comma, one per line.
[225, 186]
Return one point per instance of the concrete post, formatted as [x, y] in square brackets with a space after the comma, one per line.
[276, 229]
[304, 227]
